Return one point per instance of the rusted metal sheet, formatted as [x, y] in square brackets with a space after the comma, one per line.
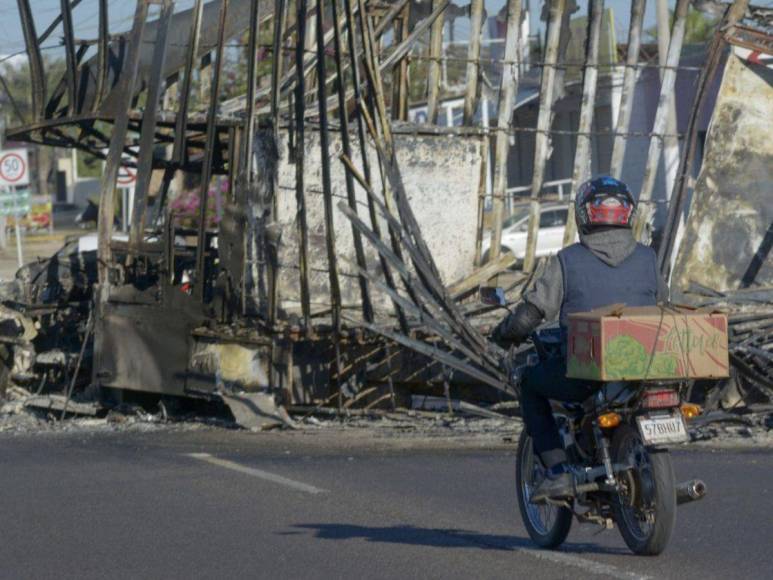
[728, 232]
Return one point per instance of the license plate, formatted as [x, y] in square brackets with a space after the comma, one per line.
[657, 430]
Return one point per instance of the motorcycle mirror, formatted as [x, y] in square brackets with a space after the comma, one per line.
[492, 296]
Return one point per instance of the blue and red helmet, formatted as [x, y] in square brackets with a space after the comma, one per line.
[604, 201]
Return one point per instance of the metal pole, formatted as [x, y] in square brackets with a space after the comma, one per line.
[16, 217]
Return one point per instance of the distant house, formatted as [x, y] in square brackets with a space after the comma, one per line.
[558, 172]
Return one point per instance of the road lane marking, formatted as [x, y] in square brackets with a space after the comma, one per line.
[562, 558]
[555, 557]
[259, 473]
[590, 566]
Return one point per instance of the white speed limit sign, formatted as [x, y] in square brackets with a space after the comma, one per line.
[14, 167]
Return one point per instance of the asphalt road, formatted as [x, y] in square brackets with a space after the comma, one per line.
[220, 504]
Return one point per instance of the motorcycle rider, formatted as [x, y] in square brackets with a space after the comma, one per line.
[606, 267]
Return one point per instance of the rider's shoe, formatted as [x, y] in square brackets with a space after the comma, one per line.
[554, 487]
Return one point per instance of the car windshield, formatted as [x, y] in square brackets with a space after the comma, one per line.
[517, 215]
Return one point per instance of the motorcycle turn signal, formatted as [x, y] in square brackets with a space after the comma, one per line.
[609, 420]
[690, 410]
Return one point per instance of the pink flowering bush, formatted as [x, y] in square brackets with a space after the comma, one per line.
[185, 207]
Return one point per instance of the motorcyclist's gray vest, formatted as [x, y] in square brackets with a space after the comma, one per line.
[590, 283]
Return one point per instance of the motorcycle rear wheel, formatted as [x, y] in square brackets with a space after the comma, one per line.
[645, 509]
[547, 524]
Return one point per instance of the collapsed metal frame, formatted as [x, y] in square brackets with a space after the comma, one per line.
[207, 142]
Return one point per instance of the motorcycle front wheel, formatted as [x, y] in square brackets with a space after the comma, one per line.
[645, 508]
[547, 524]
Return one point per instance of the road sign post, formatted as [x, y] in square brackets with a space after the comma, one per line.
[127, 177]
[19, 253]
[15, 203]
[14, 172]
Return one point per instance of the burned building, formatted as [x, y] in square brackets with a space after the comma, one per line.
[349, 239]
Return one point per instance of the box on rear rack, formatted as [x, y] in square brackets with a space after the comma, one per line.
[647, 343]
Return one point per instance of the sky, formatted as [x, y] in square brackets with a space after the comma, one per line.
[121, 12]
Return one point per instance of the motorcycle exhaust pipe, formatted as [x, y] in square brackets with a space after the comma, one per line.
[688, 491]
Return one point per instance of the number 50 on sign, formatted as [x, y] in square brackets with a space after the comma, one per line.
[14, 167]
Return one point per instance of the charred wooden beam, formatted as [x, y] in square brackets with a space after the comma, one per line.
[359, 252]
[629, 86]
[473, 63]
[507, 90]
[396, 11]
[354, 55]
[582, 155]
[209, 151]
[400, 87]
[103, 53]
[252, 68]
[444, 357]
[300, 195]
[645, 213]
[482, 188]
[179, 152]
[12, 100]
[404, 47]
[327, 192]
[126, 85]
[280, 23]
[423, 314]
[426, 320]
[55, 22]
[32, 43]
[544, 120]
[148, 130]
[433, 290]
[377, 101]
[71, 70]
[433, 74]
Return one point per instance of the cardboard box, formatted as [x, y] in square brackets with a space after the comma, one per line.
[647, 343]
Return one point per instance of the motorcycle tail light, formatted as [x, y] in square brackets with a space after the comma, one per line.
[660, 399]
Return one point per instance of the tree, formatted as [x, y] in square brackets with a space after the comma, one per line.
[699, 27]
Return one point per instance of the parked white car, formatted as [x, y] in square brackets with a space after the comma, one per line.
[552, 222]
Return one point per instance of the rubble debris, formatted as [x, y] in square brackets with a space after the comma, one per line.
[257, 411]
[274, 305]
[48, 403]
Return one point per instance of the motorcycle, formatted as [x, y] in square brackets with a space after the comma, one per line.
[617, 444]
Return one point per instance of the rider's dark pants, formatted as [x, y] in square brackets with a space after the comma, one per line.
[542, 382]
